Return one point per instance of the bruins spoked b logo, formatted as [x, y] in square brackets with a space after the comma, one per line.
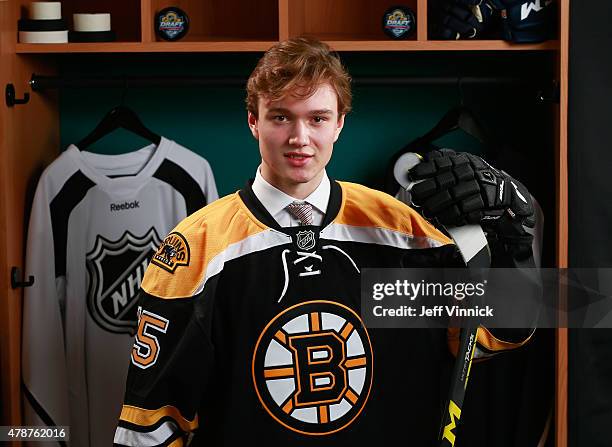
[312, 367]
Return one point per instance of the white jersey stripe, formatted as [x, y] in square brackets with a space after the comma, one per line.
[261, 241]
[272, 238]
[381, 236]
[131, 438]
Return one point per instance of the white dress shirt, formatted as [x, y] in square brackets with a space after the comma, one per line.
[275, 201]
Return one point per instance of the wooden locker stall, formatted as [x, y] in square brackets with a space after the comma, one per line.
[29, 133]
[29, 142]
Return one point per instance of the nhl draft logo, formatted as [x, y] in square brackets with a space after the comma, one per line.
[313, 367]
[116, 269]
[305, 240]
[172, 23]
[398, 22]
[172, 253]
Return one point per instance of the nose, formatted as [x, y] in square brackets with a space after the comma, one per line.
[299, 135]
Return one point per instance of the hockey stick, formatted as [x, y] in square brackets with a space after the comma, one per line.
[462, 367]
[459, 381]
[475, 252]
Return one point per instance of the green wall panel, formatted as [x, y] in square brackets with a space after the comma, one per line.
[212, 121]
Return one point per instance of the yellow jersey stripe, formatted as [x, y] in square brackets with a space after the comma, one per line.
[364, 207]
[208, 233]
[145, 418]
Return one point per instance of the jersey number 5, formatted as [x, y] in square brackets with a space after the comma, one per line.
[146, 346]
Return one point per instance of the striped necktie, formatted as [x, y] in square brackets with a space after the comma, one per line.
[302, 211]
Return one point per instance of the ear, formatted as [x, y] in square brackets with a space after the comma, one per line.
[339, 126]
[253, 122]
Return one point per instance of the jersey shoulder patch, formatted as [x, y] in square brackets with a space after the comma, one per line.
[179, 266]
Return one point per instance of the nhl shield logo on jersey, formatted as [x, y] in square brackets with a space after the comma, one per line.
[306, 240]
[172, 253]
[313, 367]
[116, 269]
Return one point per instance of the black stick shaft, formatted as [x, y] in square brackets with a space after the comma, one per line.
[459, 380]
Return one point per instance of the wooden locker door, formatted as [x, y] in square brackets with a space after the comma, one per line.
[29, 140]
[9, 299]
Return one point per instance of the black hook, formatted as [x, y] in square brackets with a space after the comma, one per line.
[11, 100]
[16, 279]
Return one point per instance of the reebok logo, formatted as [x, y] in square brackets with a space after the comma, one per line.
[124, 206]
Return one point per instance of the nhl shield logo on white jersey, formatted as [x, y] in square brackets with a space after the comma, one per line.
[306, 240]
[313, 367]
[116, 269]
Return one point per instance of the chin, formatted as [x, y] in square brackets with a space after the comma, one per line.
[300, 180]
[300, 176]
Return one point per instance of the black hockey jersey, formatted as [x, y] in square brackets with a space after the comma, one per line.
[249, 331]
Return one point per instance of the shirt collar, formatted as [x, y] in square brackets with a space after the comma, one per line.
[275, 200]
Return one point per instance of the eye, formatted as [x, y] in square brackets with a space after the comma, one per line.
[319, 119]
[280, 118]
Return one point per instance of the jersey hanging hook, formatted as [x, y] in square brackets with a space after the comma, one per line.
[18, 281]
[11, 96]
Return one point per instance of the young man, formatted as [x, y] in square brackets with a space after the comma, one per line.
[249, 325]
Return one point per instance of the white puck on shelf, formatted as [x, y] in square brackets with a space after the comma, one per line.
[45, 10]
[91, 22]
[43, 36]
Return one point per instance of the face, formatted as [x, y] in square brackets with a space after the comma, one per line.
[296, 139]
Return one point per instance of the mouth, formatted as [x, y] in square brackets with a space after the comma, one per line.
[297, 156]
[298, 160]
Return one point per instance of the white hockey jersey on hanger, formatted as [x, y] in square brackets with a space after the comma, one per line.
[95, 223]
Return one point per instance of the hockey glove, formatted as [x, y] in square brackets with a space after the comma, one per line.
[464, 19]
[527, 21]
[460, 188]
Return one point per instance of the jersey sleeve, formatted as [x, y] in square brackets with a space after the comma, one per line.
[171, 361]
[439, 251]
[172, 358]
[495, 341]
[490, 341]
[44, 372]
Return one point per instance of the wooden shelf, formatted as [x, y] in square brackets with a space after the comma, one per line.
[248, 20]
[149, 47]
[125, 15]
[212, 45]
[346, 25]
[436, 45]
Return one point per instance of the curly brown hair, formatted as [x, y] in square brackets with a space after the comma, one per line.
[298, 67]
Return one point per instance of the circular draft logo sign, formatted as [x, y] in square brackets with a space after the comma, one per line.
[398, 22]
[312, 367]
[171, 23]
